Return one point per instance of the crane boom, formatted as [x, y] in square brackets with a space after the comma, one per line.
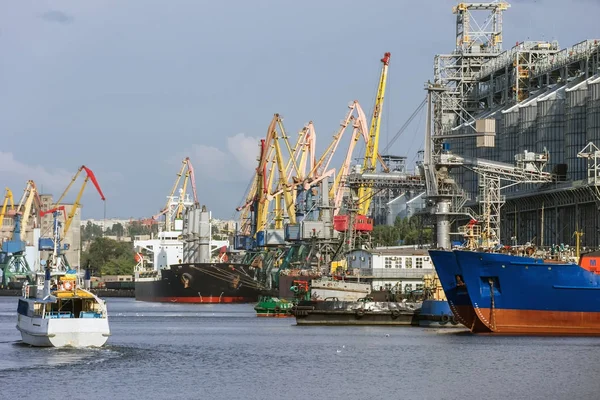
[192, 179]
[8, 197]
[89, 176]
[365, 193]
[175, 209]
[53, 210]
[27, 212]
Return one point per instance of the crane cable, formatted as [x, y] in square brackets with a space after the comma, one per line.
[405, 125]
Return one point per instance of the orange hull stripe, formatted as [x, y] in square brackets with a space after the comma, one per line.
[540, 322]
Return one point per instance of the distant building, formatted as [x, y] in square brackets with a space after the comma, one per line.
[119, 238]
[106, 223]
[225, 226]
[73, 237]
[389, 268]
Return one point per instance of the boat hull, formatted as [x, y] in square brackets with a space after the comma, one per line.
[437, 314]
[272, 314]
[356, 313]
[522, 295]
[448, 270]
[67, 332]
[201, 283]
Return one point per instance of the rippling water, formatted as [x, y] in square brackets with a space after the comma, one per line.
[177, 351]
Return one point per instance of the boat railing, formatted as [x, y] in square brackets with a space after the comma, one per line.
[59, 314]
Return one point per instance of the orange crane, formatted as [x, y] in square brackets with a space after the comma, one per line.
[89, 176]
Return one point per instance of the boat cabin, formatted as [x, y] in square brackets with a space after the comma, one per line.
[62, 304]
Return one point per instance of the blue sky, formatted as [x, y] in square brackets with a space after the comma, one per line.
[129, 88]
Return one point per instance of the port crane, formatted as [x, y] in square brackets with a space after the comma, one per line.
[13, 263]
[263, 181]
[355, 116]
[25, 207]
[365, 193]
[297, 162]
[290, 174]
[176, 205]
[320, 169]
[89, 175]
[8, 198]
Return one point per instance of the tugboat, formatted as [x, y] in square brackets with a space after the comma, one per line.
[63, 313]
[435, 310]
[269, 306]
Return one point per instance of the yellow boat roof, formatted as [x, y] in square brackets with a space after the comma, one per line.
[68, 294]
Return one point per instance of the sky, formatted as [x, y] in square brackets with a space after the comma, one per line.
[130, 88]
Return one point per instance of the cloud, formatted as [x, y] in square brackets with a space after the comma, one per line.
[57, 16]
[235, 163]
[244, 149]
[45, 179]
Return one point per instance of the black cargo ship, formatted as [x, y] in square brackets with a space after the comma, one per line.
[199, 283]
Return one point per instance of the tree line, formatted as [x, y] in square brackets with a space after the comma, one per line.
[91, 231]
[105, 256]
[110, 257]
[405, 231]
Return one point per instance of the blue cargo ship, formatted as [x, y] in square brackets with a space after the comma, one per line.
[450, 275]
[524, 295]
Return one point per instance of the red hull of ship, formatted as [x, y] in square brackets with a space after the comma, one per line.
[527, 322]
[203, 300]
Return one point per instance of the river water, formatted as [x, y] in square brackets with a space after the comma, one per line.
[186, 351]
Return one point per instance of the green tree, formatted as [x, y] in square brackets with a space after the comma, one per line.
[136, 228]
[413, 231]
[116, 230]
[110, 257]
[90, 231]
[385, 235]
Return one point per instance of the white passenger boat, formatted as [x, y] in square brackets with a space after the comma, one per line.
[57, 311]
[65, 315]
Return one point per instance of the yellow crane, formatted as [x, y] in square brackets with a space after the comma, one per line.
[89, 176]
[365, 194]
[189, 177]
[8, 197]
[271, 161]
[25, 207]
[263, 186]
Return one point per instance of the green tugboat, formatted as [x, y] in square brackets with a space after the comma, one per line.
[269, 306]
